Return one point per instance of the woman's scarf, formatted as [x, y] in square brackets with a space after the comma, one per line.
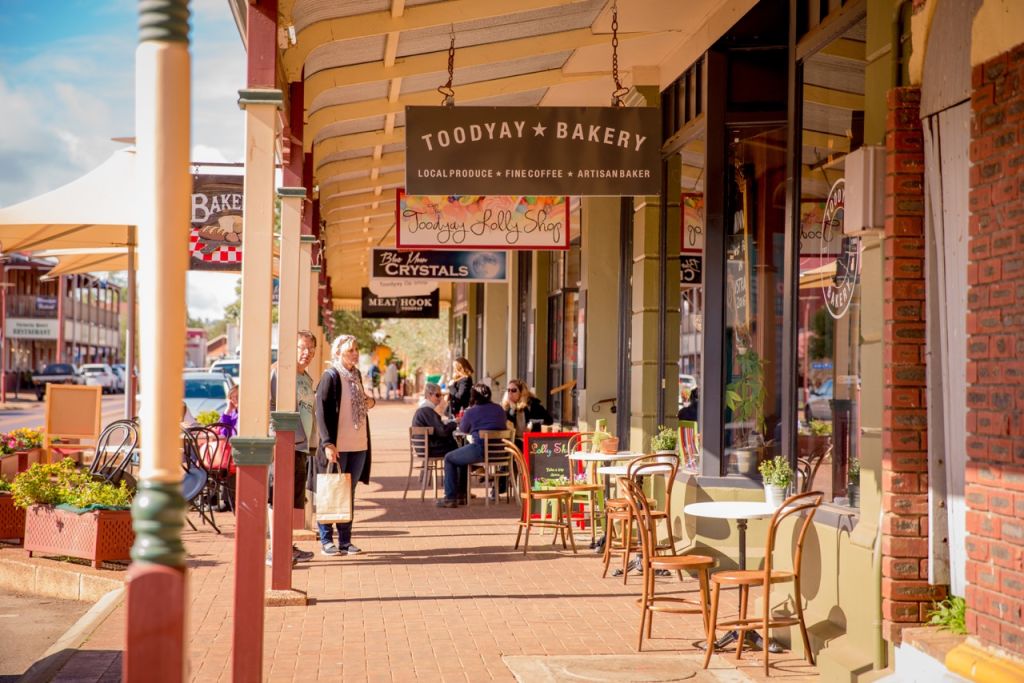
[354, 381]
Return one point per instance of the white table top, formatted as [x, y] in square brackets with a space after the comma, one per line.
[731, 509]
[603, 457]
[623, 470]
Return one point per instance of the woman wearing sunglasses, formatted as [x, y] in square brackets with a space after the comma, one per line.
[522, 408]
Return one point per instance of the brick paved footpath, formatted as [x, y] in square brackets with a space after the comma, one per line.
[437, 595]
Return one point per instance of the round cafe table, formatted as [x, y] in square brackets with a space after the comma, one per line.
[588, 456]
[742, 512]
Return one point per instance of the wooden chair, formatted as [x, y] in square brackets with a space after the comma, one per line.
[586, 495]
[197, 486]
[643, 511]
[420, 459]
[563, 510]
[115, 448]
[807, 503]
[73, 415]
[497, 463]
[807, 468]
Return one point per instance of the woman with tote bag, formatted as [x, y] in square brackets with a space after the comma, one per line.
[341, 420]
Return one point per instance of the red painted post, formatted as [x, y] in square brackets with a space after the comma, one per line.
[281, 538]
[252, 455]
[155, 616]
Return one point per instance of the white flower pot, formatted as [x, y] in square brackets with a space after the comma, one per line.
[774, 495]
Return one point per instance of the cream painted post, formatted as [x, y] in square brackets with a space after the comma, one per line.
[305, 263]
[512, 313]
[156, 587]
[322, 354]
[285, 417]
[496, 336]
[253, 449]
[600, 281]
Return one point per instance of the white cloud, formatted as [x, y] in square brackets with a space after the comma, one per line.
[209, 293]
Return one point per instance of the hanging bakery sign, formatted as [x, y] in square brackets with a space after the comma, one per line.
[482, 222]
[443, 266]
[215, 236]
[588, 151]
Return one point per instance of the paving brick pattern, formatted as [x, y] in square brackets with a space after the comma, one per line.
[437, 595]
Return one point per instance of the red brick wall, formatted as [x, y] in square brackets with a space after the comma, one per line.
[995, 346]
[906, 594]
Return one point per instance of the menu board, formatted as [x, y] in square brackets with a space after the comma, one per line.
[547, 458]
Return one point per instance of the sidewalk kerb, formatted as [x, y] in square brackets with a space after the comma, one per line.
[53, 660]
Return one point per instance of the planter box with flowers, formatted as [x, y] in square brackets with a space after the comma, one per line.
[69, 513]
[24, 444]
[12, 518]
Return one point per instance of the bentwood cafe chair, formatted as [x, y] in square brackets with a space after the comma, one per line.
[806, 503]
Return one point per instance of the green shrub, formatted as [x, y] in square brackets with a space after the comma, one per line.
[950, 615]
[820, 427]
[665, 440]
[776, 472]
[62, 483]
[208, 417]
[4, 484]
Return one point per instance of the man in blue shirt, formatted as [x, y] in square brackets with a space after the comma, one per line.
[482, 414]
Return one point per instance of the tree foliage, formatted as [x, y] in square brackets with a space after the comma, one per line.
[349, 322]
[822, 339]
[421, 343]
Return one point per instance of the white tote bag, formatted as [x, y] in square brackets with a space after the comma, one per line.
[333, 496]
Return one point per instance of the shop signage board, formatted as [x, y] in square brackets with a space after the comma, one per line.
[440, 266]
[393, 288]
[31, 328]
[46, 303]
[374, 306]
[215, 235]
[547, 457]
[586, 151]
[840, 290]
[482, 222]
[691, 269]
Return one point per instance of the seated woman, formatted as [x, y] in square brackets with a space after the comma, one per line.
[482, 414]
[522, 408]
[426, 415]
[229, 418]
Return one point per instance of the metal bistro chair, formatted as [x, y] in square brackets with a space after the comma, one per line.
[196, 485]
[115, 448]
[807, 468]
[215, 452]
[651, 562]
[497, 463]
[807, 503]
[430, 466]
[563, 509]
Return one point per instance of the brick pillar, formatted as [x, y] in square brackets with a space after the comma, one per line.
[995, 345]
[906, 594]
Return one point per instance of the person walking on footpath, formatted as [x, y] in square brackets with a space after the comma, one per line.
[341, 421]
[482, 414]
[304, 397]
[459, 389]
[391, 380]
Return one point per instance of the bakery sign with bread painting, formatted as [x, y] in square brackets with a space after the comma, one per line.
[215, 238]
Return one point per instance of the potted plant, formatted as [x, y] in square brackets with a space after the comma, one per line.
[665, 441]
[853, 485]
[777, 475]
[70, 513]
[208, 417]
[24, 442]
[12, 518]
[745, 398]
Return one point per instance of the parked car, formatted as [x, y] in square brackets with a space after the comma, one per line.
[99, 374]
[228, 366]
[55, 373]
[819, 403]
[122, 375]
[206, 391]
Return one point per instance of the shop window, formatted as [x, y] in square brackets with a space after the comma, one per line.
[828, 341]
[755, 233]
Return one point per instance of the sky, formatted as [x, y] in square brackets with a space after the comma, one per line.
[67, 88]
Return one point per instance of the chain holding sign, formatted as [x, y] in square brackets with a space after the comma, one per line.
[482, 222]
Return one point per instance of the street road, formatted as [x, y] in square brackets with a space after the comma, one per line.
[32, 415]
[29, 625]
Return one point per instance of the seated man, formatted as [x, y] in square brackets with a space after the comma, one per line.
[427, 415]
